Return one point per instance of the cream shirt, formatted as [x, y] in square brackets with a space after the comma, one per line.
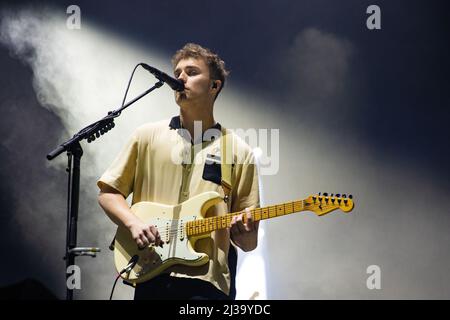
[159, 164]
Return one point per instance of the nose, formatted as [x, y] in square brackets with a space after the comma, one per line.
[182, 77]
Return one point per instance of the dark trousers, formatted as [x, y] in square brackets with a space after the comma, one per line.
[165, 287]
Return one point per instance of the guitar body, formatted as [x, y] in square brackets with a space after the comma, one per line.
[170, 221]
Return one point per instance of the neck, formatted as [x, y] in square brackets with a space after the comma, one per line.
[189, 115]
[207, 225]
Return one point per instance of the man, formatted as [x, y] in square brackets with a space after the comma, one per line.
[146, 167]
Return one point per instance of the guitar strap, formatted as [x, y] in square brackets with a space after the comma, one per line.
[227, 148]
[227, 165]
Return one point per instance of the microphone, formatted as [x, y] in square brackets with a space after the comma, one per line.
[175, 84]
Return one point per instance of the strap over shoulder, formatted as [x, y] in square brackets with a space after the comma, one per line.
[227, 163]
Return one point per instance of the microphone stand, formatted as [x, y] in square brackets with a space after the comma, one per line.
[74, 154]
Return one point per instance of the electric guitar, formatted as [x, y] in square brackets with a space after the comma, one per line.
[180, 226]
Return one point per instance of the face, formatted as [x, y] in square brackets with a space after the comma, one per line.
[198, 85]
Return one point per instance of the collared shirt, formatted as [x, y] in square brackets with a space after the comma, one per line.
[159, 163]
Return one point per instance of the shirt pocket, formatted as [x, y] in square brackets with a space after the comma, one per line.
[212, 171]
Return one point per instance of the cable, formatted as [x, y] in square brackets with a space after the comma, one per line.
[115, 282]
[129, 82]
[134, 259]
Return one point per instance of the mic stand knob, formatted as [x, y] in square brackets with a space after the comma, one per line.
[84, 251]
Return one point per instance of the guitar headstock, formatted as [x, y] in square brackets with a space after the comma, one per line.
[321, 204]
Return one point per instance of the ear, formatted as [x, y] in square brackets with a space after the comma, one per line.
[216, 84]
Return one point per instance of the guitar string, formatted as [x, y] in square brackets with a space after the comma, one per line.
[176, 229]
[179, 229]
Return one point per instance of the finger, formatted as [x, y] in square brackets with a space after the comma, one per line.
[149, 235]
[145, 240]
[249, 222]
[233, 222]
[235, 225]
[248, 214]
[240, 224]
[158, 236]
[159, 241]
[155, 235]
[139, 243]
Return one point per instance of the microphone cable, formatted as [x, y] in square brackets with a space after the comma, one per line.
[129, 82]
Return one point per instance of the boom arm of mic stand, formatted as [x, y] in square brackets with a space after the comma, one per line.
[100, 127]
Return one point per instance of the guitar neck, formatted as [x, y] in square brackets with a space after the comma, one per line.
[211, 224]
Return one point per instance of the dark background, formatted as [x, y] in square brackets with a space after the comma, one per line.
[395, 103]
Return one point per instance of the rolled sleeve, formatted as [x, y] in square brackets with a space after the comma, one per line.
[247, 187]
[121, 173]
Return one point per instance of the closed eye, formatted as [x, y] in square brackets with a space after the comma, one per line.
[191, 71]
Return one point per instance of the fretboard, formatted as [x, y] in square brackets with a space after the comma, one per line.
[208, 225]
